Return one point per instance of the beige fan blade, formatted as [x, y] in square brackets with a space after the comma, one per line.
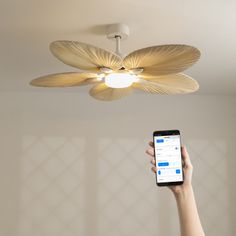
[102, 92]
[84, 56]
[169, 84]
[162, 60]
[65, 80]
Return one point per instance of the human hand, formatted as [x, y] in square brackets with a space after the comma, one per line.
[187, 170]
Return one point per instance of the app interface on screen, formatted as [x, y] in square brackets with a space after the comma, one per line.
[168, 158]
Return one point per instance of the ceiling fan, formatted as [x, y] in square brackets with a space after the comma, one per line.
[153, 69]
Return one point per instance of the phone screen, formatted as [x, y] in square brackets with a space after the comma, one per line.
[168, 159]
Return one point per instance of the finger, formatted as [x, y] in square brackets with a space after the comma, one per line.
[154, 169]
[185, 156]
[151, 144]
[150, 152]
[153, 161]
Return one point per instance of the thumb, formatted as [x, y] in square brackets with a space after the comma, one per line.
[185, 157]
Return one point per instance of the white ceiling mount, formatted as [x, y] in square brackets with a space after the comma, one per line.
[117, 30]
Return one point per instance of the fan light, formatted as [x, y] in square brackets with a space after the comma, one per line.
[120, 80]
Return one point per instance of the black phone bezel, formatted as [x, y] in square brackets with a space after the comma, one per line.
[163, 133]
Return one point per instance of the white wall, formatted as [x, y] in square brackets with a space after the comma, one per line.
[71, 165]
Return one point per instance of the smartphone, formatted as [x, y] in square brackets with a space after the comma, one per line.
[167, 153]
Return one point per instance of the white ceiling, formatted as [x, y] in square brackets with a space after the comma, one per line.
[27, 27]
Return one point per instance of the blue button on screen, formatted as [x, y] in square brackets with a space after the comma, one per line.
[160, 141]
[163, 164]
[177, 171]
[159, 172]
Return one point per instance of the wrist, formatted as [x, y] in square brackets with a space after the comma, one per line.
[183, 193]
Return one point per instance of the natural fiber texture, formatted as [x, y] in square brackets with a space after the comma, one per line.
[156, 67]
[65, 80]
[168, 84]
[161, 60]
[102, 92]
[84, 56]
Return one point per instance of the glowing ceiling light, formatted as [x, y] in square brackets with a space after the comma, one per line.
[120, 80]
